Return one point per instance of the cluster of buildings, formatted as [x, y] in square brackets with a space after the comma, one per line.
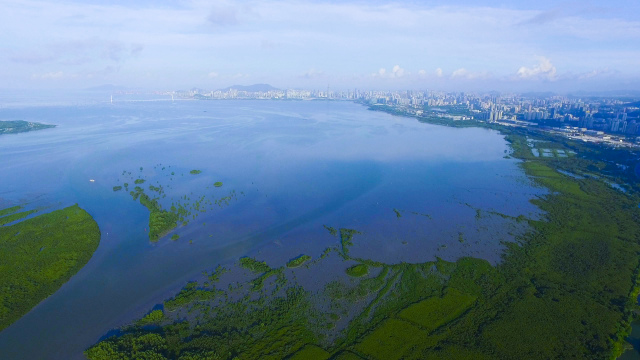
[606, 115]
[593, 114]
[248, 92]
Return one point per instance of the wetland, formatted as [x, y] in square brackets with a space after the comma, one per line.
[339, 233]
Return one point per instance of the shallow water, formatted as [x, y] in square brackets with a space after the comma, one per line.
[634, 341]
[299, 165]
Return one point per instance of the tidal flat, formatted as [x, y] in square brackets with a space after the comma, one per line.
[288, 169]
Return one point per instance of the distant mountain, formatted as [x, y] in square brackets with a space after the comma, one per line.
[251, 88]
[107, 87]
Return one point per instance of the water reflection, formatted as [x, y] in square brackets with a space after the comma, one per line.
[299, 165]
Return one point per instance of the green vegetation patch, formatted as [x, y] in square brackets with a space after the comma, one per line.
[552, 179]
[153, 317]
[346, 237]
[195, 172]
[15, 217]
[346, 355]
[248, 329]
[160, 221]
[117, 188]
[189, 294]
[39, 255]
[254, 265]
[10, 210]
[358, 270]
[175, 237]
[217, 184]
[437, 311]
[392, 340]
[331, 230]
[310, 352]
[20, 126]
[398, 214]
[298, 261]
[258, 283]
[143, 346]
[181, 211]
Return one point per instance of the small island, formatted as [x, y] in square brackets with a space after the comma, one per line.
[358, 270]
[20, 126]
[298, 261]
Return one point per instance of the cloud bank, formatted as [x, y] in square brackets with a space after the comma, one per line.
[435, 45]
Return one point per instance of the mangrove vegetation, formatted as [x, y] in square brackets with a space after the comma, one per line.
[40, 254]
[567, 288]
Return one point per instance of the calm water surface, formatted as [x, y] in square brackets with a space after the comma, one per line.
[294, 165]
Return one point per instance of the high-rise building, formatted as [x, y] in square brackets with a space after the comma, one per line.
[622, 116]
[615, 125]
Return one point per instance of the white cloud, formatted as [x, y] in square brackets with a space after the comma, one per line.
[544, 70]
[182, 40]
[396, 72]
[462, 72]
[313, 74]
[424, 74]
[213, 74]
[595, 73]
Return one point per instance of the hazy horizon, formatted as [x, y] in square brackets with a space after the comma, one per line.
[501, 46]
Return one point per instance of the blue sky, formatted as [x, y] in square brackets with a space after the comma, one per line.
[448, 45]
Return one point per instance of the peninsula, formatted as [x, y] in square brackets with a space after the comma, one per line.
[20, 126]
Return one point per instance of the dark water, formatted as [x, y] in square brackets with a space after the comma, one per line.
[299, 165]
[634, 341]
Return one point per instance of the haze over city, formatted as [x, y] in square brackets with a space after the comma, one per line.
[501, 45]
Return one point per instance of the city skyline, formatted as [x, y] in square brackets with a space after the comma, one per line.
[386, 45]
